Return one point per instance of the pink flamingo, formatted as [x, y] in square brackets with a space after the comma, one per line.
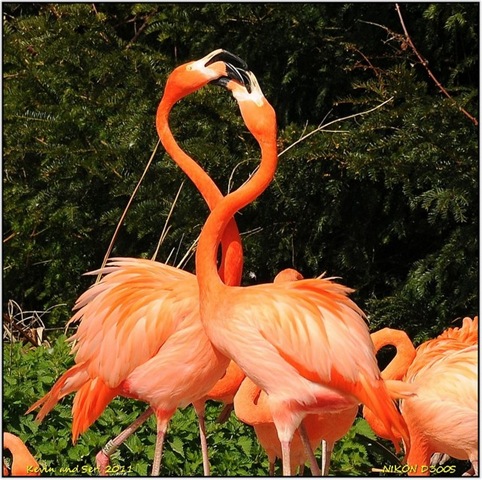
[442, 416]
[23, 463]
[307, 333]
[141, 302]
[252, 407]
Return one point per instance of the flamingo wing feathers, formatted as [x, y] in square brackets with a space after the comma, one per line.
[313, 326]
[128, 315]
[444, 414]
[124, 320]
[309, 328]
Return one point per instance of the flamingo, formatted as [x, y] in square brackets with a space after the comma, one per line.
[442, 417]
[23, 463]
[305, 343]
[142, 302]
[395, 370]
[252, 407]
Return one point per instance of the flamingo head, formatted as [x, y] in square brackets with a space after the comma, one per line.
[191, 76]
[258, 115]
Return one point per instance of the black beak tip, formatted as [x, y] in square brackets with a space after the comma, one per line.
[228, 57]
[221, 81]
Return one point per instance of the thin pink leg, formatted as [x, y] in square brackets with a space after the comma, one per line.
[103, 457]
[161, 433]
[200, 410]
[285, 451]
[225, 413]
[327, 449]
[315, 470]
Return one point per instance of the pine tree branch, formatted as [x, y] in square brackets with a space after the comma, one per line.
[424, 62]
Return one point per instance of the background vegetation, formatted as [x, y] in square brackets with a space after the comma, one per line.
[388, 201]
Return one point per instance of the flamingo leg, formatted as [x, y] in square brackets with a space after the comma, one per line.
[102, 459]
[315, 470]
[327, 449]
[225, 413]
[285, 451]
[161, 433]
[200, 411]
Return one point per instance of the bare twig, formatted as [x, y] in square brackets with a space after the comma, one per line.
[166, 227]
[24, 332]
[324, 126]
[188, 255]
[424, 62]
[25, 324]
[124, 213]
[230, 181]
[139, 31]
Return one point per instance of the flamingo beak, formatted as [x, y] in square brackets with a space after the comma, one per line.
[226, 57]
[235, 68]
[233, 73]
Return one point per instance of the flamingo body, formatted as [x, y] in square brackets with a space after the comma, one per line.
[251, 406]
[443, 416]
[138, 303]
[140, 335]
[307, 333]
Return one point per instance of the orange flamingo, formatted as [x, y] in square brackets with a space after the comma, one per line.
[23, 463]
[305, 343]
[442, 417]
[395, 370]
[252, 407]
[141, 302]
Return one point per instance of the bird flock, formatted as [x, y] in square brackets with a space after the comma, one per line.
[293, 358]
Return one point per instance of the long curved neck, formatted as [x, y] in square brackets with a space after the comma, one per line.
[232, 252]
[251, 404]
[21, 457]
[397, 368]
[212, 232]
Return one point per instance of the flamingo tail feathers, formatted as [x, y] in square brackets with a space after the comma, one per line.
[89, 403]
[69, 382]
